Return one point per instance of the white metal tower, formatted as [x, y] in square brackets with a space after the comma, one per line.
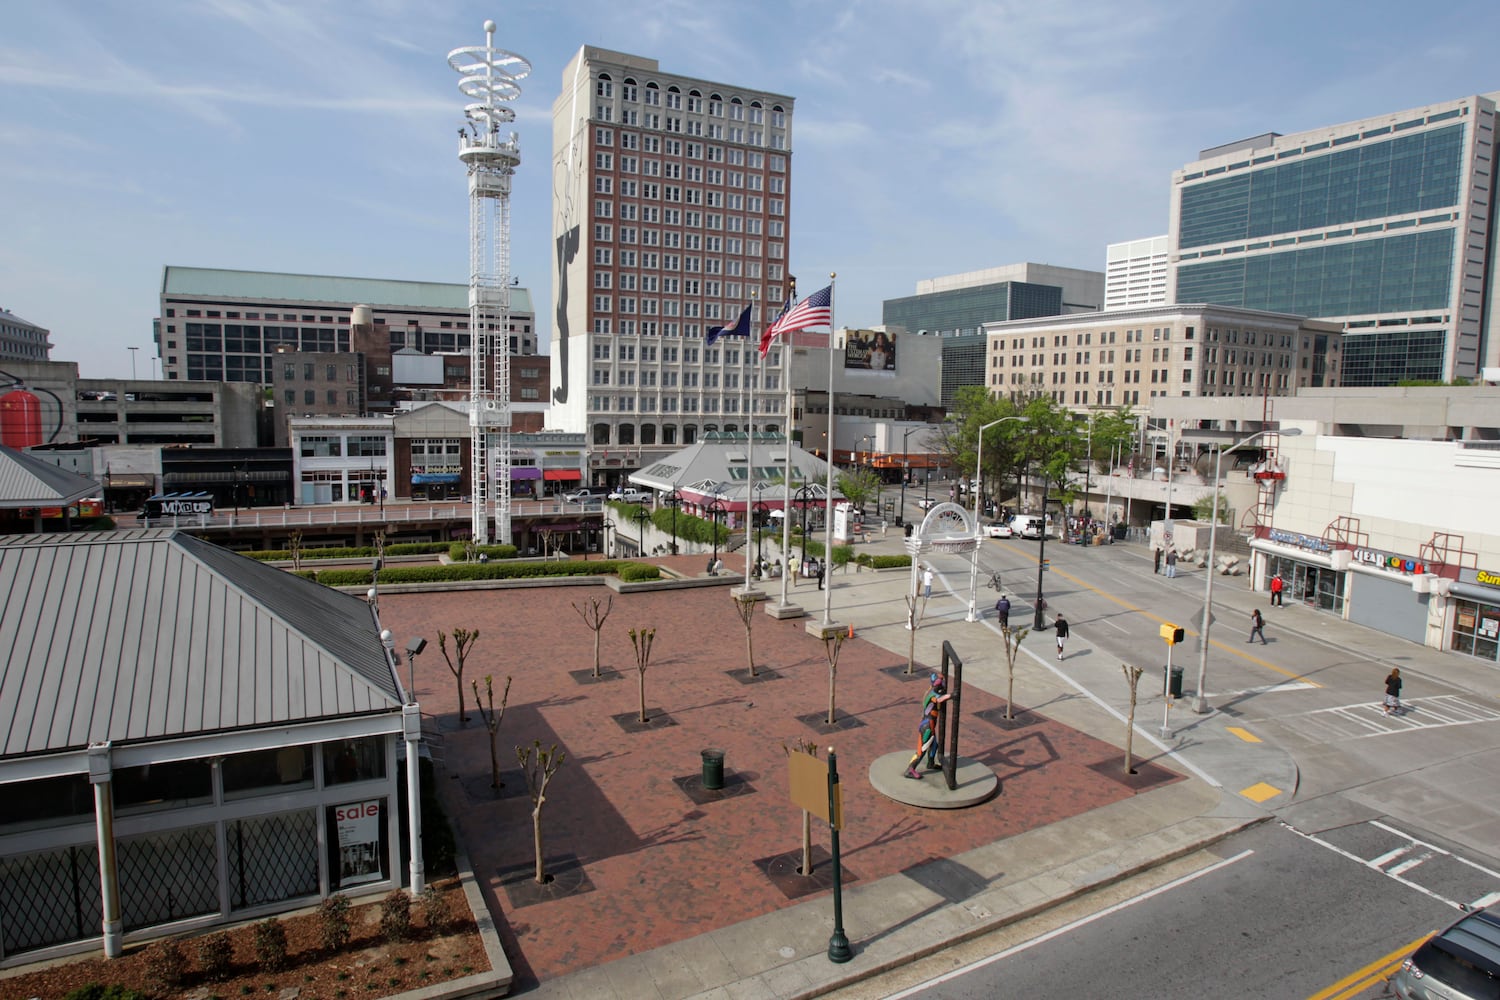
[488, 77]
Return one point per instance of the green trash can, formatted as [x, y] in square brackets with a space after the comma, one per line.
[713, 769]
[1175, 686]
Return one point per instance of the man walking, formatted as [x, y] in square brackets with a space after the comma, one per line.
[1277, 586]
[1257, 627]
[1156, 560]
[926, 582]
[1062, 633]
[1171, 564]
[1002, 612]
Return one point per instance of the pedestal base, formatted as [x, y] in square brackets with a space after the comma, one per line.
[822, 629]
[976, 783]
[752, 592]
[788, 610]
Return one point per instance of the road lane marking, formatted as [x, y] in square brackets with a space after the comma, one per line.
[1433, 847]
[1068, 928]
[1356, 982]
[1243, 734]
[1260, 792]
[1350, 855]
[1364, 719]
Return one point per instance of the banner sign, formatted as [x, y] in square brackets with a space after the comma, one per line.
[358, 826]
[866, 350]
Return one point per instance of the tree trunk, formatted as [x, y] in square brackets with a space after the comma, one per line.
[911, 641]
[596, 653]
[806, 843]
[459, 678]
[536, 833]
[832, 680]
[641, 685]
[494, 760]
[750, 648]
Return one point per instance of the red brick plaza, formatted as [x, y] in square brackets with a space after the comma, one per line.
[638, 862]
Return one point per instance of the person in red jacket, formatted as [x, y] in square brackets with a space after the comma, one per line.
[1277, 586]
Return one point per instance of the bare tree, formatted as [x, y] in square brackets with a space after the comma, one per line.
[641, 639]
[492, 720]
[809, 747]
[745, 605]
[294, 547]
[911, 640]
[380, 545]
[463, 645]
[1012, 639]
[539, 766]
[594, 617]
[1133, 678]
[833, 643]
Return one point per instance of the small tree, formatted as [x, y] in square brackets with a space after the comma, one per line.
[294, 549]
[463, 645]
[1012, 639]
[1133, 678]
[745, 605]
[641, 639]
[492, 720]
[539, 766]
[333, 921]
[911, 640]
[833, 643]
[810, 748]
[1203, 510]
[380, 545]
[594, 616]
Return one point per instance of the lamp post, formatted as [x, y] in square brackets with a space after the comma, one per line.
[757, 525]
[804, 494]
[413, 650]
[132, 351]
[1200, 699]
[606, 528]
[673, 500]
[641, 515]
[905, 474]
[1038, 621]
[716, 510]
[979, 535]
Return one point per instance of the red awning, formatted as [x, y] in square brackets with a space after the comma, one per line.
[552, 475]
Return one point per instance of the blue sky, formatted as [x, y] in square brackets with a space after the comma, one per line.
[930, 136]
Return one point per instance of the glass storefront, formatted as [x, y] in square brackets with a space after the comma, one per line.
[1476, 629]
[1316, 587]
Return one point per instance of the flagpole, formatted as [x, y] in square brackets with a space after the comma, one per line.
[828, 500]
[749, 454]
[786, 470]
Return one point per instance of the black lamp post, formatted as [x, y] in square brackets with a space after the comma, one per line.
[760, 520]
[673, 500]
[1040, 622]
[905, 474]
[804, 494]
[716, 510]
[605, 529]
[641, 516]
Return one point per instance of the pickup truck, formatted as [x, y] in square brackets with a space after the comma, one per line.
[585, 494]
[629, 494]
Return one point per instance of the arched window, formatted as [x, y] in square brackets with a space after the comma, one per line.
[648, 433]
[668, 433]
[601, 433]
[626, 433]
[689, 434]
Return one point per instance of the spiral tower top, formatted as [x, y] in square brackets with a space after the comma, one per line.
[489, 77]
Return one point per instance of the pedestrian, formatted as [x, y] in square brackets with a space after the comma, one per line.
[1171, 563]
[1156, 560]
[1061, 624]
[1393, 692]
[1257, 627]
[709, 569]
[1002, 611]
[926, 582]
[927, 728]
[1277, 586]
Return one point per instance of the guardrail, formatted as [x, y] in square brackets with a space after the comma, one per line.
[363, 514]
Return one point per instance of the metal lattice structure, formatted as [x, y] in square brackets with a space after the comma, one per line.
[489, 78]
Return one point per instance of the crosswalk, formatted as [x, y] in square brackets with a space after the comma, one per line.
[1415, 863]
[1367, 719]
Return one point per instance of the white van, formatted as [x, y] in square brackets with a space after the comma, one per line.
[1028, 525]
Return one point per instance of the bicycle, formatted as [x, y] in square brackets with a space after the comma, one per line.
[995, 581]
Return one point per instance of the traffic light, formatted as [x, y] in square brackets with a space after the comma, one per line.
[1173, 634]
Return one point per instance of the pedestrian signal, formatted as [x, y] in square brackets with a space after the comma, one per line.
[1173, 634]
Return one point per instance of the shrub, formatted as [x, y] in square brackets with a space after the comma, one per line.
[395, 916]
[270, 944]
[458, 551]
[886, 562]
[472, 571]
[635, 572]
[333, 921]
[215, 955]
[434, 909]
[97, 991]
[165, 965]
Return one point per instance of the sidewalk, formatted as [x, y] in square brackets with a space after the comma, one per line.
[672, 902]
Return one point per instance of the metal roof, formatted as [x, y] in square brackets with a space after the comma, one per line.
[27, 481]
[374, 292]
[715, 466]
[147, 634]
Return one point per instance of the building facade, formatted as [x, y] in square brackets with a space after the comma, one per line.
[223, 325]
[1385, 226]
[1135, 273]
[670, 216]
[22, 341]
[1128, 357]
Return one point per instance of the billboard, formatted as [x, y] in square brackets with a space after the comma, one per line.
[869, 350]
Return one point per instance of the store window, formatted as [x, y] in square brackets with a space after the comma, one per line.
[152, 787]
[1311, 586]
[263, 772]
[1476, 629]
[353, 760]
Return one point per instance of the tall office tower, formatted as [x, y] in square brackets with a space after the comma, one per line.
[1135, 273]
[1386, 226]
[669, 217]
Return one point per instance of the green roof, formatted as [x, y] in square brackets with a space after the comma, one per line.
[373, 292]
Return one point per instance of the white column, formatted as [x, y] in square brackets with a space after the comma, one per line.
[100, 775]
[411, 731]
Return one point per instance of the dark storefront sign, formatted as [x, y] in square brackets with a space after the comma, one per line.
[435, 478]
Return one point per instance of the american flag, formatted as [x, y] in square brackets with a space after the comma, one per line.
[815, 310]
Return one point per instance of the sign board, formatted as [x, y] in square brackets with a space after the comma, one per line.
[358, 826]
[810, 788]
[869, 350]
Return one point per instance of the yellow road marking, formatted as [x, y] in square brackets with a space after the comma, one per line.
[1162, 621]
[1260, 792]
[1356, 982]
[1244, 734]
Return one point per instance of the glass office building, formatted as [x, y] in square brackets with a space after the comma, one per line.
[1385, 226]
[963, 311]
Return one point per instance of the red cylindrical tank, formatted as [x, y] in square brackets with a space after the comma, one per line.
[20, 419]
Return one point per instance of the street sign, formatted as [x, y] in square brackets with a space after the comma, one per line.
[809, 780]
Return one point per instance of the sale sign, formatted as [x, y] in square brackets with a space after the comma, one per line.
[358, 825]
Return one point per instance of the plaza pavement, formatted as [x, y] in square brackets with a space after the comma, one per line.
[658, 895]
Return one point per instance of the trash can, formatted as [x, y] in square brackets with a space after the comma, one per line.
[713, 768]
[908, 529]
[1174, 688]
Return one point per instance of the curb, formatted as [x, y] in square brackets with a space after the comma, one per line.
[494, 983]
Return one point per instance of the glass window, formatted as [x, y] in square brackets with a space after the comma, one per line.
[162, 786]
[1476, 629]
[265, 771]
[46, 801]
[353, 760]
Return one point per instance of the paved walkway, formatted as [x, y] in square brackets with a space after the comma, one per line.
[662, 889]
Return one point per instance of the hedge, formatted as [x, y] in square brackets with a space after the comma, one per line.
[690, 528]
[636, 572]
[458, 551]
[883, 562]
[479, 571]
[350, 552]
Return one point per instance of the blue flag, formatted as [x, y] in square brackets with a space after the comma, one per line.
[740, 329]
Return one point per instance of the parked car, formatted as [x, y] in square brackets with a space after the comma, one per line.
[629, 494]
[1460, 961]
[585, 494]
[998, 529]
[927, 503]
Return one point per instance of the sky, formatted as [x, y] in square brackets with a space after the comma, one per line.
[930, 137]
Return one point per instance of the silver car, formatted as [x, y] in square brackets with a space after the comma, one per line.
[1461, 962]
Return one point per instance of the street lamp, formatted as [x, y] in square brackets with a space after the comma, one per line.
[641, 515]
[716, 510]
[132, 351]
[978, 534]
[758, 525]
[413, 650]
[605, 529]
[905, 474]
[1200, 699]
[804, 494]
[673, 500]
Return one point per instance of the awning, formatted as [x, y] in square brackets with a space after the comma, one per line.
[435, 478]
[524, 472]
[116, 481]
[1475, 592]
[554, 475]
